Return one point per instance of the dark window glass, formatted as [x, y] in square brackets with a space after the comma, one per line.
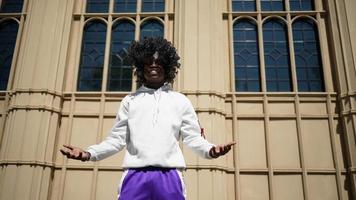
[11, 6]
[122, 6]
[92, 57]
[307, 56]
[277, 65]
[296, 5]
[243, 5]
[152, 5]
[8, 34]
[97, 6]
[272, 5]
[151, 28]
[120, 71]
[247, 66]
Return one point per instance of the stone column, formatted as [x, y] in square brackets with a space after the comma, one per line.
[342, 31]
[200, 36]
[33, 110]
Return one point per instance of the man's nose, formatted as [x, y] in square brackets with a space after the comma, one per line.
[154, 64]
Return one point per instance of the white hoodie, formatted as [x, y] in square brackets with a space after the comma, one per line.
[150, 123]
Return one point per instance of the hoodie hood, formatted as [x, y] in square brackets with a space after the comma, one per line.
[164, 87]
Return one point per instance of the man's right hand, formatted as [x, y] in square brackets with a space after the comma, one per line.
[75, 153]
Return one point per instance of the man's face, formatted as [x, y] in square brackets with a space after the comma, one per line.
[153, 72]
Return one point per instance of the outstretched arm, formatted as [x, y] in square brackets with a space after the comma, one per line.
[220, 150]
[75, 153]
[114, 142]
[194, 137]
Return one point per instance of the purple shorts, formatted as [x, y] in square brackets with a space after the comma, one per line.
[152, 183]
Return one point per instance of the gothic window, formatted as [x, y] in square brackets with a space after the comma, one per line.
[122, 6]
[272, 5]
[247, 67]
[288, 42]
[110, 26]
[151, 28]
[276, 54]
[8, 34]
[92, 58]
[152, 5]
[307, 56]
[298, 5]
[243, 5]
[11, 6]
[97, 6]
[120, 72]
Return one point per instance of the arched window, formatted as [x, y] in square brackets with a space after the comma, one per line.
[278, 76]
[307, 56]
[122, 6]
[120, 72]
[272, 5]
[11, 6]
[152, 5]
[97, 6]
[8, 34]
[151, 28]
[92, 58]
[247, 67]
[123, 32]
[243, 5]
[296, 5]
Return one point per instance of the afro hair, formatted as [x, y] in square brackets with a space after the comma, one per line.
[141, 52]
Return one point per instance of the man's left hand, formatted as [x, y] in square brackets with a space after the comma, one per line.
[220, 150]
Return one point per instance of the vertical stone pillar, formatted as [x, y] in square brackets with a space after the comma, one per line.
[200, 36]
[34, 107]
[342, 31]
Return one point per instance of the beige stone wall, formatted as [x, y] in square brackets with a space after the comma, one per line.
[32, 105]
[291, 145]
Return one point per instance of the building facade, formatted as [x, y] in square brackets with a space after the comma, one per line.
[276, 76]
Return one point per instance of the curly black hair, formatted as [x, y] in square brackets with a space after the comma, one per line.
[141, 52]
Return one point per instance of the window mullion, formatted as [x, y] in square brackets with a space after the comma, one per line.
[137, 36]
[24, 6]
[139, 6]
[107, 53]
[166, 6]
[291, 53]
[287, 6]
[258, 6]
[84, 6]
[317, 5]
[328, 85]
[111, 6]
[231, 48]
[261, 53]
[323, 55]
[166, 22]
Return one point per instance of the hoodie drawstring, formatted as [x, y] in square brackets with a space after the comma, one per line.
[157, 95]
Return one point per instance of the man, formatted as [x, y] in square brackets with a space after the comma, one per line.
[150, 123]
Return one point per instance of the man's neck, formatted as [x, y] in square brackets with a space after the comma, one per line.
[153, 86]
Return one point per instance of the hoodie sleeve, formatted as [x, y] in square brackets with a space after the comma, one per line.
[116, 139]
[190, 131]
